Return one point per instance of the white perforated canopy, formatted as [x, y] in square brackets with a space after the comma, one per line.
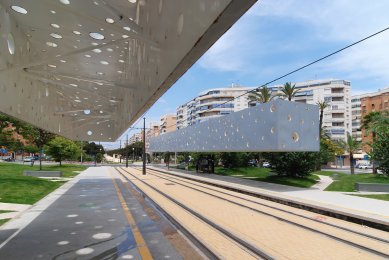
[88, 69]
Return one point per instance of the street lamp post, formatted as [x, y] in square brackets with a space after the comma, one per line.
[133, 154]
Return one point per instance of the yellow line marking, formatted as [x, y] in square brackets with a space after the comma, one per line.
[140, 242]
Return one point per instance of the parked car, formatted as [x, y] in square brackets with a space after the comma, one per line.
[266, 165]
[365, 166]
[9, 159]
[28, 159]
[253, 163]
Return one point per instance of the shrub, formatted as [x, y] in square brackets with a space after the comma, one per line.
[296, 164]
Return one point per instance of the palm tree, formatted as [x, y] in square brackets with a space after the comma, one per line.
[289, 91]
[261, 95]
[351, 146]
[322, 105]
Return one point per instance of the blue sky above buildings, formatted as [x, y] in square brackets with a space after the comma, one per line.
[277, 36]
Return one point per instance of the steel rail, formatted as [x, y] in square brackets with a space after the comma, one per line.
[252, 248]
[275, 208]
[285, 220]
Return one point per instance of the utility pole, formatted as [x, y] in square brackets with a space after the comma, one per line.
[127, 151]
[144, 146]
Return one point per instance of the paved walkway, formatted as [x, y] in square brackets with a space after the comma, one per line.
[323, 183]
[15, 208]
[368, 209]
[93, 216]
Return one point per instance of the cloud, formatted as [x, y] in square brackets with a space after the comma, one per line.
[278, 34]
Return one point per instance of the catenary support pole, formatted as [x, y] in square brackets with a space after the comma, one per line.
[120, 155]
[144, 146]
[127, 151]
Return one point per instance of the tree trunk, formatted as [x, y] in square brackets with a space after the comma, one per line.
[352, 163]
[372, 161]
[321, 121]
[60, 161]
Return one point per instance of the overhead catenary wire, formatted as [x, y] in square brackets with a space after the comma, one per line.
[282, 76]
[296, 70]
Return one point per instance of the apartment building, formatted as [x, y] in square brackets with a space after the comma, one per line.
[356, 116]
[212, 103]
[168, 123]
[337, 93]
[373, 102]
[152, 132]
[137, 137]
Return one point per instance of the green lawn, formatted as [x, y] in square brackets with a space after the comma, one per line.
[346, 182]
[375, 196]
[5, 211]
[262, 174]
[2, 221]
[16, 188]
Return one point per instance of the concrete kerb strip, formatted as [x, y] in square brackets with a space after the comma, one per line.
[276, 196]
[25, 218]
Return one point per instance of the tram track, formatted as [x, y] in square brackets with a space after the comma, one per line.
[255, 251]
[267, 205]
[358, 240]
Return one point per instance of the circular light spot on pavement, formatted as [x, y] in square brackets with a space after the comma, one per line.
[19, 9]
[62, 243]
[65, 2]
[72, 216]
[127, 257]
[11, 44]
[78, 222]
[102, 235]
[55, 230]
[109, 20]
[111, 220]
[85, 251]
[56, 35]
[96, 36]
[73, 233]
[98, 227]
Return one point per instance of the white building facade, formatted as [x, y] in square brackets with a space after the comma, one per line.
[212, 103]
[336, 119]
[337, 93]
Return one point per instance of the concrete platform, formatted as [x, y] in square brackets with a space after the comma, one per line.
[358, 208]
[93, 216]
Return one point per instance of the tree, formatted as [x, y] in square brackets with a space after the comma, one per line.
[380, 151]
[295, 164]
[289, 91]
[351, 146]
[94, 150]
[40, 139]
[234, 160]
[322, 105]
[377, 123]
[61, 148]
[328, 150]
[261, 95]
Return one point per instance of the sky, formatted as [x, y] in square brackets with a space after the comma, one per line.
[277, 36]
